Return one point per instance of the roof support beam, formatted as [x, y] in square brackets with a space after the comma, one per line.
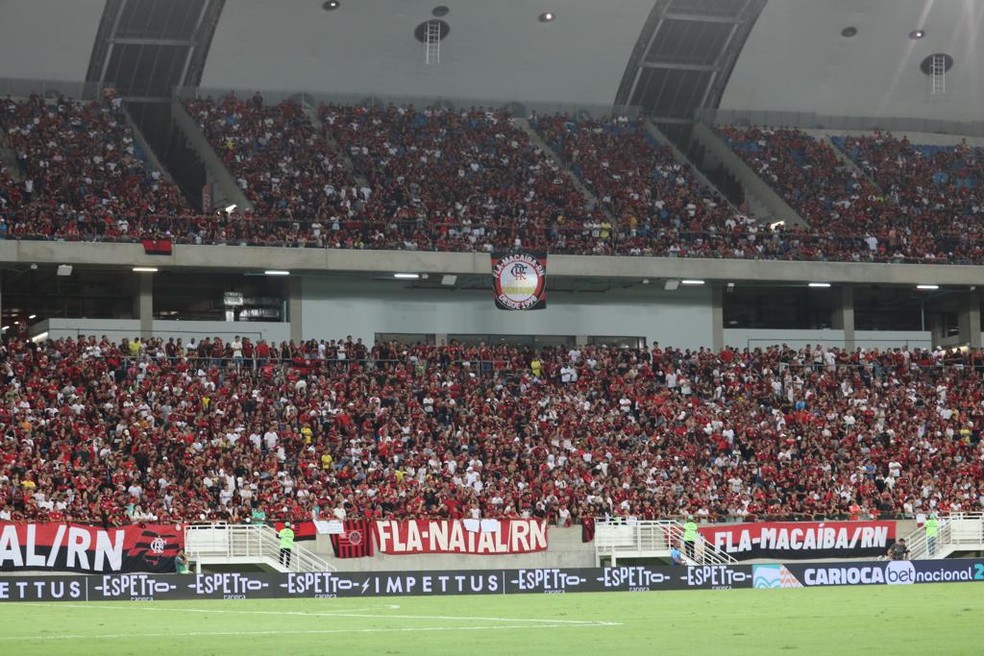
[678, 67]
[670, 119]
[151, 41]
[700, 18]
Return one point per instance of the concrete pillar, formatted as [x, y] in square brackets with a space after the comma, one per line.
[294, 313]
[717, 318]
[937, 329]
[843, 317]
[969, 320]
[143, 303]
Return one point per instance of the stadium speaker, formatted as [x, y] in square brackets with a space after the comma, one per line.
[64, 270]
[671, 285]
[449, 280]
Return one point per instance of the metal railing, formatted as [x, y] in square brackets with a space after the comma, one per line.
[957, 532]
[814, 121]
[311, 99]
[630, 538]
[218, 543]
[25, 87]
[584, 237]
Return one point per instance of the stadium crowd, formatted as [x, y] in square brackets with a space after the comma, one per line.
[461, 181]
[474, 180]
[902, 202]
[79, 174]
[164, 431]
[654, 203]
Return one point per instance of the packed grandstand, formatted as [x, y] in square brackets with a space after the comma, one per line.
[407, 178]
[109, 433]
[145, 429]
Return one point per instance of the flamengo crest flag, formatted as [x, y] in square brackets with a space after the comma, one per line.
[519, 280]
[355, 541]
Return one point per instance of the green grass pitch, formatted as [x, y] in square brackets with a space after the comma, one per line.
[915, 619]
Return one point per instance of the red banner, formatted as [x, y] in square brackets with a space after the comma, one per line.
[80, 548]
[355, 540]
[587, 529]
[158, 246]
[462, 536]
[302, 530]
[800, 540]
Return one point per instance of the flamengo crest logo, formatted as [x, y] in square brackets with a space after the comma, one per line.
[519, 281]
[355, 537]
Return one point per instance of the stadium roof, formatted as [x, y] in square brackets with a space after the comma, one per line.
[858, 57]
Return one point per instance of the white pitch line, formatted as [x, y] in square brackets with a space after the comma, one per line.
[201, 634]
[534, 621]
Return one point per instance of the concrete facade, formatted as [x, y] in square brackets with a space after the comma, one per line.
[245, 258]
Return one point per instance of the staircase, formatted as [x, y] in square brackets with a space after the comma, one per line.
[846, 161]
[244, 544]
[691, 167]
[8, 159]
[958, 532]
[336, 148]
[763, 201]
[227, 191]
[590, 199]
[632, 538]
[143, 149]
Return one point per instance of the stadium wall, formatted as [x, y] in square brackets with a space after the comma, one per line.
[59, 50]
[330, 308]
[867, 339]
[627, 269]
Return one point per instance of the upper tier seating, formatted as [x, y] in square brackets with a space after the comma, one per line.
[82, 175]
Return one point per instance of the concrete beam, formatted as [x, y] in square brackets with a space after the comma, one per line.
[702, 68]
[969, 320]
[143, 304]
[257, 259]
[717, 318]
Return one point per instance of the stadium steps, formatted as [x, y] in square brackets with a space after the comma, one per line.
[143, 149]
[634, 538]
[538, 141]
[763, 201]
[236, 544]
[346, 161]
[958, 532]
[228, 191]
[684, 161]
[844, 159]
[9, 159]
